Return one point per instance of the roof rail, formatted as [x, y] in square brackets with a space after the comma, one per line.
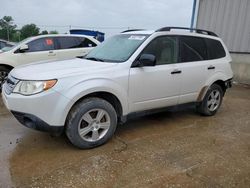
[129, 30]
[200, 31]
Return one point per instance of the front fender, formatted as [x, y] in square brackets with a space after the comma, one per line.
[79, 90]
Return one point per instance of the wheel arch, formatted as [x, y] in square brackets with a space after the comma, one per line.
[6, 66]
[219, 79]
[105, 95]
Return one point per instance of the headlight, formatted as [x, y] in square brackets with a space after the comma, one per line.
[33, 87]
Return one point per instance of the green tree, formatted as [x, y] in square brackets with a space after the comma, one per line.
[16, 36]
[45, 32]
[7, 28]
[53, 32]
[29, 30]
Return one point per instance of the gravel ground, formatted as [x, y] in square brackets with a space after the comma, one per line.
[168, 149]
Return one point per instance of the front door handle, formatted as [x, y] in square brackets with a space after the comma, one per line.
[211, 67]
[52, 53]
[176, 72]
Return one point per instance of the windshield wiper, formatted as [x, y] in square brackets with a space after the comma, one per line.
[94, 59]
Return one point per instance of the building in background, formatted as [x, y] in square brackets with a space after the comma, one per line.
[230, 20]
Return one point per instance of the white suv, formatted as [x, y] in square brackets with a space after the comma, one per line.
[43, 48]
[130, 72]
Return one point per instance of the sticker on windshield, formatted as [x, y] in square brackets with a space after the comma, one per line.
[136, 37]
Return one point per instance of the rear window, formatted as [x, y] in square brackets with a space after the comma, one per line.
[67, 42]
[192, 49]
[74, 42]
[199, 49]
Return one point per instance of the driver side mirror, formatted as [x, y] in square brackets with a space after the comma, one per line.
[146, 60]
[24, 48]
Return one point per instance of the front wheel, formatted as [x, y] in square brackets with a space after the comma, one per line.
[212, 101]
[3, 75]
[91, 123]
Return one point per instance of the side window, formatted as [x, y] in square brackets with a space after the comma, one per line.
[43, 44]
[164, 49]
[67, 42]
[215, 49]
[84, 42]
[192, 49]
[1, 44]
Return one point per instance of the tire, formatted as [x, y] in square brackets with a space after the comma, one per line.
[212, 101]
[85, 129]
[3, 75]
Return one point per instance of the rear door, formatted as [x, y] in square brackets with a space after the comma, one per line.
[39, 50]
[194, 65]
[70, 47]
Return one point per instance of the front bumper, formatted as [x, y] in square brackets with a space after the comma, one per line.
[33, 122]
[46, 111]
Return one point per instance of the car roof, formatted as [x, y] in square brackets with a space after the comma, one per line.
[171, 32]
[61, 35]
[143, 32]
[3, 40]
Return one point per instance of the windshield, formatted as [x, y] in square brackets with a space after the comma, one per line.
[118, 48]
[5, 49]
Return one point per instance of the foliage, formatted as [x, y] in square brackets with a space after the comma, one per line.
[7, 28]
[45, 32]
[29, 30]
[9, 32]
[53, 32]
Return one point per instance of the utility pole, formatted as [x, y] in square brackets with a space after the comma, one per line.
[8, 32]
[7, 29]
[193, 14]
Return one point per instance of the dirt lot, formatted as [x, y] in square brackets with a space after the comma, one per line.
[170, 149]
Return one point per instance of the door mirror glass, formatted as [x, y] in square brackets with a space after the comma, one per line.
[146, 60]
[23, 48]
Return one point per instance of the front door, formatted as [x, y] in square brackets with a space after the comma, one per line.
[156, 86]
[39, 50]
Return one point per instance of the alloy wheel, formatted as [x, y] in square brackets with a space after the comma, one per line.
[3, 77]
[213, 101]
[94, 125]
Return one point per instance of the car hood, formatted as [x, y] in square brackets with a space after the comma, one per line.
[59, 69]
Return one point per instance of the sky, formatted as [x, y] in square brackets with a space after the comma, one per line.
[108, 16]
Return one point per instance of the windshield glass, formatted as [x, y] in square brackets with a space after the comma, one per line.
[118, 48]
[5, 49]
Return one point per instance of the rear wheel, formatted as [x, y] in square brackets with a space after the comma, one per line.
[3, 75]
[212, 101]
[91, 123]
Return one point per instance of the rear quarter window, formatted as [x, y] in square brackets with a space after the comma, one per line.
[84, 42]
[215, 49]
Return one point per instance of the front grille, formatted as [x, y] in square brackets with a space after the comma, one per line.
[10, 84]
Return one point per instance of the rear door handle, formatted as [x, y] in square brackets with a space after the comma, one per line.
[211, 67]
[176, 72]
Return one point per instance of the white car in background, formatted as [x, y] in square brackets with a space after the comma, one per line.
[43, 48]
[4, 44]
